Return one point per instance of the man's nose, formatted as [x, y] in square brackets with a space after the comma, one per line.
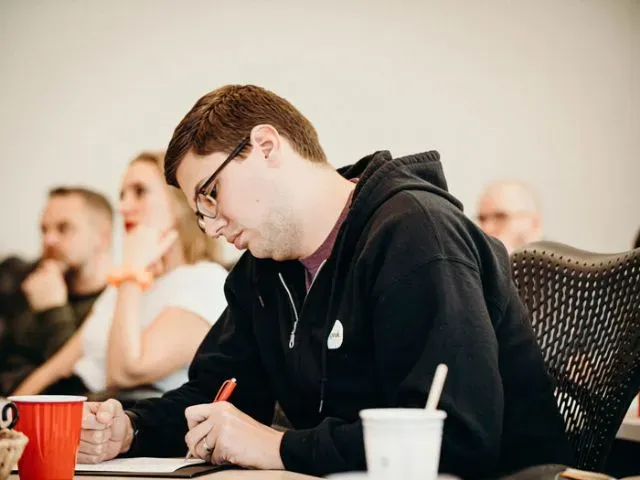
[214, 226]
[50, 239]
[490, 227]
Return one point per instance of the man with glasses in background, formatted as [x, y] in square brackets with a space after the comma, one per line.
[508, 210]
[356, 284]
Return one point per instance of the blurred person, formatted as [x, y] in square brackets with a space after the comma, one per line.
[146, 327]
[355, 285]
[508, 210]
[47, 301]
[13, 270]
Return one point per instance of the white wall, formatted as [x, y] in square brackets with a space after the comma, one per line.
[543, 90]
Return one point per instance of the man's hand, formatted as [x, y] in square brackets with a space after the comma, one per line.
[220, 433]
[45, 287]
[106, 432]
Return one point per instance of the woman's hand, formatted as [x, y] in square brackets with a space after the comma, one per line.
[145, 246]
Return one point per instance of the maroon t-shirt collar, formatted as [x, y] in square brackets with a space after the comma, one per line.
[313, 262]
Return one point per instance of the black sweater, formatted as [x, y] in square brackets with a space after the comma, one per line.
[411, 282]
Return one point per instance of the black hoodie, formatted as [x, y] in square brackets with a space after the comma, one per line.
[410, 283]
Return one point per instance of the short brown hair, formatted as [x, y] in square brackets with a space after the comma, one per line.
[95, 201]
[196, 245]
[221, 119]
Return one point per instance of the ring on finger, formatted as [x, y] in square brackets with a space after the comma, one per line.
[207, 448]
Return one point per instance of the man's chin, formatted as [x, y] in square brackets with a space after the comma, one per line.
[256, 252]
[262, 252]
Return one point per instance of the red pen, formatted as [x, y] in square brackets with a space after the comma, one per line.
[225, 391]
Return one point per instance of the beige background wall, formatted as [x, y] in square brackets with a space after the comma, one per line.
[546, 91]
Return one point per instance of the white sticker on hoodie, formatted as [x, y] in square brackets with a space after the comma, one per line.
[335, 337]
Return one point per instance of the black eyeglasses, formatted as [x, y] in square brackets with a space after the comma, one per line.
[206, 203]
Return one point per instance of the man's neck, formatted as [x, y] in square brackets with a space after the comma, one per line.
[325, 200]
[91, 277]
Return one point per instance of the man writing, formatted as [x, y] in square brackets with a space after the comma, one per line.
[356, 284]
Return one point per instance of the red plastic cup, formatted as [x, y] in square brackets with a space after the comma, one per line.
[52, 423]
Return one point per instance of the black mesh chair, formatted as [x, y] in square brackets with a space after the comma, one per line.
[585, 311]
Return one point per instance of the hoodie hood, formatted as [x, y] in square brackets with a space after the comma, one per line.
[380, 176]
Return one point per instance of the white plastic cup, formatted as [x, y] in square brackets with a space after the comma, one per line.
[402, 443]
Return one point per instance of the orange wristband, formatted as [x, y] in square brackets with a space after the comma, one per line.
[141, 277]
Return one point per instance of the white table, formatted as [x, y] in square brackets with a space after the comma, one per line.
[630, 428]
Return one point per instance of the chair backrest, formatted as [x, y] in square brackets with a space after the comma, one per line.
[585, 311]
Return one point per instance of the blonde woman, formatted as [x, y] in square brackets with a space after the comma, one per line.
[146, 327]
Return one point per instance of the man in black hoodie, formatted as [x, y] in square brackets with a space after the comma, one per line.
[356, 284]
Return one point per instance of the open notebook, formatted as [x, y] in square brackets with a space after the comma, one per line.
[148, 466]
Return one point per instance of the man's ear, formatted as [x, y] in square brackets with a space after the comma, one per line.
[536, 222]
[267, 140]
[105, 235]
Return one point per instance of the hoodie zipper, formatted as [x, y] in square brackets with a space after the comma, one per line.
[292, 335]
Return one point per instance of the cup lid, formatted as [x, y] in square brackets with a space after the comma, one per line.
[47, 398]
[402, 414]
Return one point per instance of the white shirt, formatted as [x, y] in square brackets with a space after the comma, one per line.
[196, 288]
